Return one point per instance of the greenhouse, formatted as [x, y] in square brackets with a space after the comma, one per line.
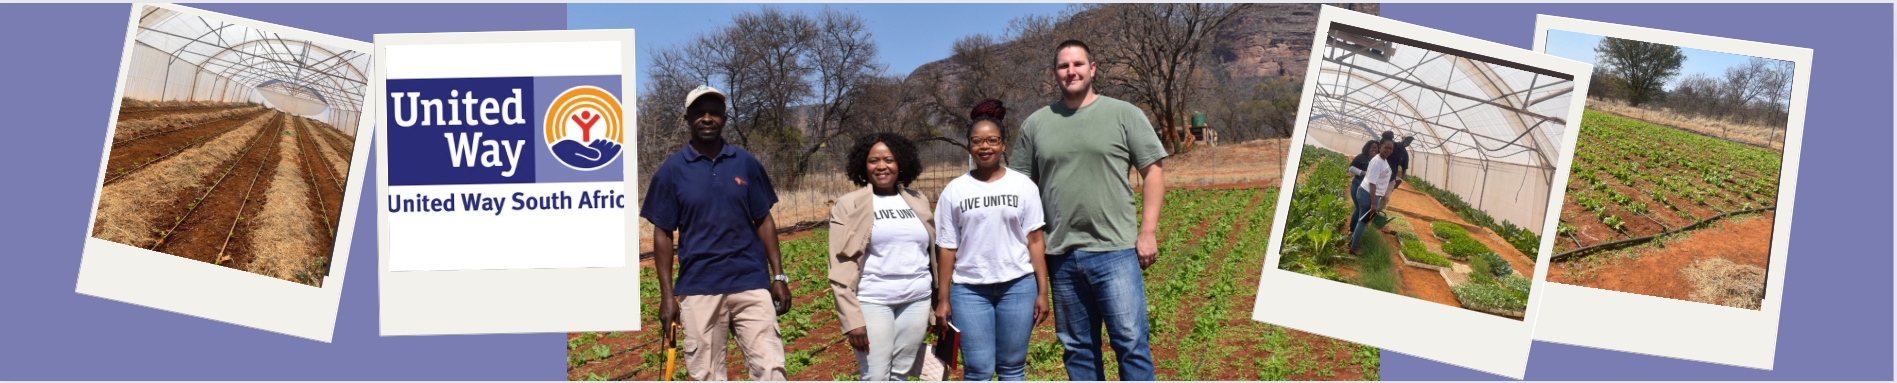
[180, 57]
[1485, 129]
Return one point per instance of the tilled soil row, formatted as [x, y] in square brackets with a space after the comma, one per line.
[336, 163]
[134, 156]
[130, 211]
[126, 114]
[327, 194]
[124, 131]
[345, 144]
[210, 221]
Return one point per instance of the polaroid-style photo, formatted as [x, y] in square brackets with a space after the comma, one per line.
[1425, 167]
[229, 186]
[503, 193]
[1678, 208]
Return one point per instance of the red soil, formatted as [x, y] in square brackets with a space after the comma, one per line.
[1656, 270]
[207, 231]
[123, 158]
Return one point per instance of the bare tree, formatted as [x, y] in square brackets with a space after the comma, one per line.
[842, 54]
[1151, 53]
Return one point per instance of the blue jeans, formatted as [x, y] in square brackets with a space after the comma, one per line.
[996, 321]
[1355, 182]
[1364, 202]
[1094, 288]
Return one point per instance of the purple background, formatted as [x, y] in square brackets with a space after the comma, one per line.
[62, 60]
[1836, 324]
[60, 67]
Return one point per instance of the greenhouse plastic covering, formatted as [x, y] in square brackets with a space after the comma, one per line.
[181, 57]
[1484, 131]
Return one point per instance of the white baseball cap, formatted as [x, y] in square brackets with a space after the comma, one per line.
[701, 91]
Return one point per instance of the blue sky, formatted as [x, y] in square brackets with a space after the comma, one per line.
[908, 35]
[1580, 47]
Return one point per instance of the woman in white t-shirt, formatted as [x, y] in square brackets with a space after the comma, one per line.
[880, 258]
[1376, 184]
[989, 222]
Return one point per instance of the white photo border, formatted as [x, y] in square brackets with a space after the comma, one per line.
[1598, 318]
[519, 300]
[148, 278]
[1429, 330]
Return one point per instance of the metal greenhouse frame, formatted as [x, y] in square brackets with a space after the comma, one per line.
[181, 57]
[1486, 129]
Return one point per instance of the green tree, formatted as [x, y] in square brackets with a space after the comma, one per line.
[1638, 70]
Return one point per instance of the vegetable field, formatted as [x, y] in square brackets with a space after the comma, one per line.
[232, 184]
[1420, 248]
[1652, 205]
[1199, 295]
[1632, 179]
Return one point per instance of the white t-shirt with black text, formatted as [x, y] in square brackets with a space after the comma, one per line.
[896, 266]
[988, 225]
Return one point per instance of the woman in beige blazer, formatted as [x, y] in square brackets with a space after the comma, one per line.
[881, 258]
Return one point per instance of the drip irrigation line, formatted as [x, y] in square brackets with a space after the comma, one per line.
[1632, 241]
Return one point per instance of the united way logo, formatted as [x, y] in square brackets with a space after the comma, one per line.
[583, 128]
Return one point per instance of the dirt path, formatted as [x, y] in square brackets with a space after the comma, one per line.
[1655, 271]
[1421, 283]
[1418, 205]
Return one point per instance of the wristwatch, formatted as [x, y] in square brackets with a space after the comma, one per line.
[781, 278]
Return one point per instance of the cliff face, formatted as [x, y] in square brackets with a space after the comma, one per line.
[1267, 40]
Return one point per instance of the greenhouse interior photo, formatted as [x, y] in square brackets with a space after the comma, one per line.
[231, 145]
[1480, 138]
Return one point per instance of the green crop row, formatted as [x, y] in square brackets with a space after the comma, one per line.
[1664, 167]
[1416, 252]
[1313, 242]
[1520, 238]
[1491, 296]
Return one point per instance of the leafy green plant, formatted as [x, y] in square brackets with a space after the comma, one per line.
[1464, 247]
[1493, 264]
[1613, 222]
[1446, 230]
[1416, 252]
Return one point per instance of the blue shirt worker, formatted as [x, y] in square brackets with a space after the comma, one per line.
[714, 201]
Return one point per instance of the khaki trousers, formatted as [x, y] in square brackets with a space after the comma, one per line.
[705, 319]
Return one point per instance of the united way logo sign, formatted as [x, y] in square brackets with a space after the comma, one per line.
[583, 128]
[482, 170]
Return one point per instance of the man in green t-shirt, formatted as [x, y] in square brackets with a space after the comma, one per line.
[1079, 150]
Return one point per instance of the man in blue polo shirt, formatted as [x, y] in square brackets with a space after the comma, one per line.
[717, 199]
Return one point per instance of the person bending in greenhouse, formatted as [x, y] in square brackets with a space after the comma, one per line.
[880, 237]
[717, 199]
[1078, 150]
[1399, 164]
[990, 223]
[1376, 184]
[1357, 166]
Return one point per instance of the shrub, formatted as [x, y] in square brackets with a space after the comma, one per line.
[1517, 286]
[1463, 247]
[1480, 278]
[1416, 252]
[1446, 230]
[1493, 264]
